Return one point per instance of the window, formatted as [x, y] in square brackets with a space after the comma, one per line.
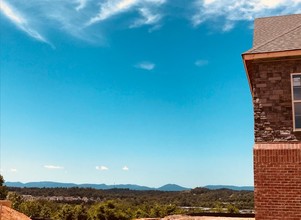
[296, 100]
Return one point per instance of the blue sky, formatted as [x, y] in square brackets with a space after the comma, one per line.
[147, 92]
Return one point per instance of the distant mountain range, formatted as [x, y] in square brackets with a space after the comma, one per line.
[167, 187]
[237, 188]
[48, 184]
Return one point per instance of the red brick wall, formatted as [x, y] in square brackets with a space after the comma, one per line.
[277, 174]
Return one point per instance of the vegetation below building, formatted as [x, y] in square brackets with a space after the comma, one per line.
[123, 204]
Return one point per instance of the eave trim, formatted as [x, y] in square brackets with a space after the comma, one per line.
[255, 56]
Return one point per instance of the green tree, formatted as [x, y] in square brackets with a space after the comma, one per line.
[65, 213]
[31, 208]
[45, 212]
[156, 211]
[218, 207]
[110, 210]
[16, 200]
[3, 189]
[232, 209]
[80, 212]
[140, 213]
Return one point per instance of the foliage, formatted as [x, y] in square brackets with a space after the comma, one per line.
[16, 199]
[3, 189]
[123, 204]
[232, 209]
[198, 197]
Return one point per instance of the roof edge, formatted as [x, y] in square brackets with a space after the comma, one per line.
[277, 16]
[254, 56]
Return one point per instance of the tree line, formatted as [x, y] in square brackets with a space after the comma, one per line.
[198, 197]
[122, 204]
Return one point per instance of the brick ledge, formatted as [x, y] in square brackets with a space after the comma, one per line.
[277, 146]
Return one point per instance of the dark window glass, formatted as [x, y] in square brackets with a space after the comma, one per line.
[297, 87]
[297, 107]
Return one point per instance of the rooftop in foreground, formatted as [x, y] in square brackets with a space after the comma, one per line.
[183, 217]
[7, 213]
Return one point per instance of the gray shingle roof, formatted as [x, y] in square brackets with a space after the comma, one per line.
[280, 33]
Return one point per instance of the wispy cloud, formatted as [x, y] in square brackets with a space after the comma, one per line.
[110, 8]
[81, 4]
[89, 20]
[146, 9]
[20, 21]
[102, 168]
[53, 167]
[125, 168]
[14, 170]
[145, 65]
[75, 17]
[201, 62]
[148, 18]
[231, 11]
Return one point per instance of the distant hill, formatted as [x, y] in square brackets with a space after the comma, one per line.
[249, 188]
[167, 187]
[172, 187]
[43, 184]
[48, 184]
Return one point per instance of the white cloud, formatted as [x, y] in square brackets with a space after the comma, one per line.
[10, 13]
[114, 7]
[270, 3]
[208, 2]
[231, 11]
[111, 7]
[101, 168]
[81, 4]
[148, 18]
[125, 168]
[53, 167]
[145, 65]
[13, 170]
[201, 62]
[20, 21]
[75, 17]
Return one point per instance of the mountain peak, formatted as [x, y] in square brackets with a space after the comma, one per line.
[172, 187]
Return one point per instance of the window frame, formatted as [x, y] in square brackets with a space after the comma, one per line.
[294, 101]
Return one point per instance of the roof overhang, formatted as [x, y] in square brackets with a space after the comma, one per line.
[277, 54]
[249, 57]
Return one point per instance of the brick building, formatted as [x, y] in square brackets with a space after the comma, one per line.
[273, 67]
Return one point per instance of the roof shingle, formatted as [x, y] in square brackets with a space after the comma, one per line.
[280, 33]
